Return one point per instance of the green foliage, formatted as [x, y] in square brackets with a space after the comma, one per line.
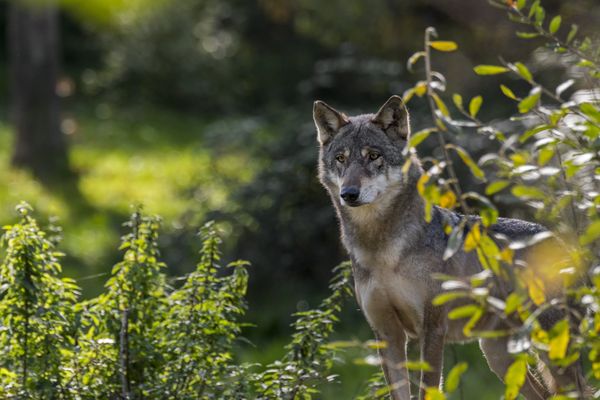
[37, 313]
[547, 160]
[308, 360]
[142, 338]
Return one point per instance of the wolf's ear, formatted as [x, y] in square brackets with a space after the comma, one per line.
[328, 121]
[392, 117]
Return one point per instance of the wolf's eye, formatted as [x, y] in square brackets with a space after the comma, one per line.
[341, 158]
[374, 156]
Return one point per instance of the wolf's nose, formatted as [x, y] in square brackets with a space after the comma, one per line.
[350, 193]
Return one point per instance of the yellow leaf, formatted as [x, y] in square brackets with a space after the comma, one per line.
[535, 287]
[420, 88]
[421, 184]
[443, 45]
[559, 341]
[475, 105]
[441, 105]
[432, 393]
[473, 238]
[448, 199]
[506, 255]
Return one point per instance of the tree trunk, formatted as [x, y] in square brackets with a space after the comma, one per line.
[33, 40]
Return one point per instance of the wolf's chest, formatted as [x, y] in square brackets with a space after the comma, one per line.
[389, 293]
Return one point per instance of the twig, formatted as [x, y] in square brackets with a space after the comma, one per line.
[124, 355]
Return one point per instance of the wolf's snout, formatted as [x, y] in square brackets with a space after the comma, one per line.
[350, 194]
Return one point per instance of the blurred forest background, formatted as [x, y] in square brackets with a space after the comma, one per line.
[201, 109]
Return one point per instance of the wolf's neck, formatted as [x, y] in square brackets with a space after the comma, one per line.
[373, 225]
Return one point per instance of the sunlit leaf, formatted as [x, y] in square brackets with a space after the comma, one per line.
[530, 101]
[446, 297]
[432, 393]
[555, 24]
[490, 69]
[496, 186]
[466, 158]
[443, 45]
[559, 340]
[418, 137]
[508, 93]
[527, 35]
[592, 232]
[524, 71]
[463, 311]
[453, 377]
[440, 105]
[515, 378]
[457, 99]
[475, 105]
[473, 238]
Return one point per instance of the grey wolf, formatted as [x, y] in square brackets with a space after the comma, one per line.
[395, 252]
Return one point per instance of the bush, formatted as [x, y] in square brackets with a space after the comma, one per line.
[142, 337]
[545, 160]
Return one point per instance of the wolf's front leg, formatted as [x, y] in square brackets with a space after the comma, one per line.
[432, 352]
[393, 359]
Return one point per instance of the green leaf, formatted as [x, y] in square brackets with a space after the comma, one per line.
[454, 375]
[433, 393]
[440, 105]
[521, 4]
[515, 378]
[572, 33]
[446, 297]
[528, 192]
[508, 93]
[530, 101]
[443, 45]
[463, 311]
[418, 137]
[513, 301]
[529, 133]
[591, 233]
[475, 105]
[523, 71]
[540, 15]
[559, 340]
[466, 158]
[555, 24]
[496, 186]
[590, 110]
[417, 366]
[533, 8]
[527, 35]
[545, 154]
[490, 69]
[458, 101]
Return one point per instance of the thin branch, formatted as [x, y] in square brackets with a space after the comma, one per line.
[430, 31]
[124, 355]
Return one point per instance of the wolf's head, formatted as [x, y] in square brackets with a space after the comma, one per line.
[361, 157]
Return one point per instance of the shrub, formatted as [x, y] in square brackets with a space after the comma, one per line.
[546, 159]
[142, 337]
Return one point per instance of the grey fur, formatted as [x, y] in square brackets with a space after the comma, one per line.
[394, 252]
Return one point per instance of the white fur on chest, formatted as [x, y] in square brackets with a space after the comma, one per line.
[391, 293]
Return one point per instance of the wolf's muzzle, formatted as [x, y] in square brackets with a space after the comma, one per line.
[350, 195]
